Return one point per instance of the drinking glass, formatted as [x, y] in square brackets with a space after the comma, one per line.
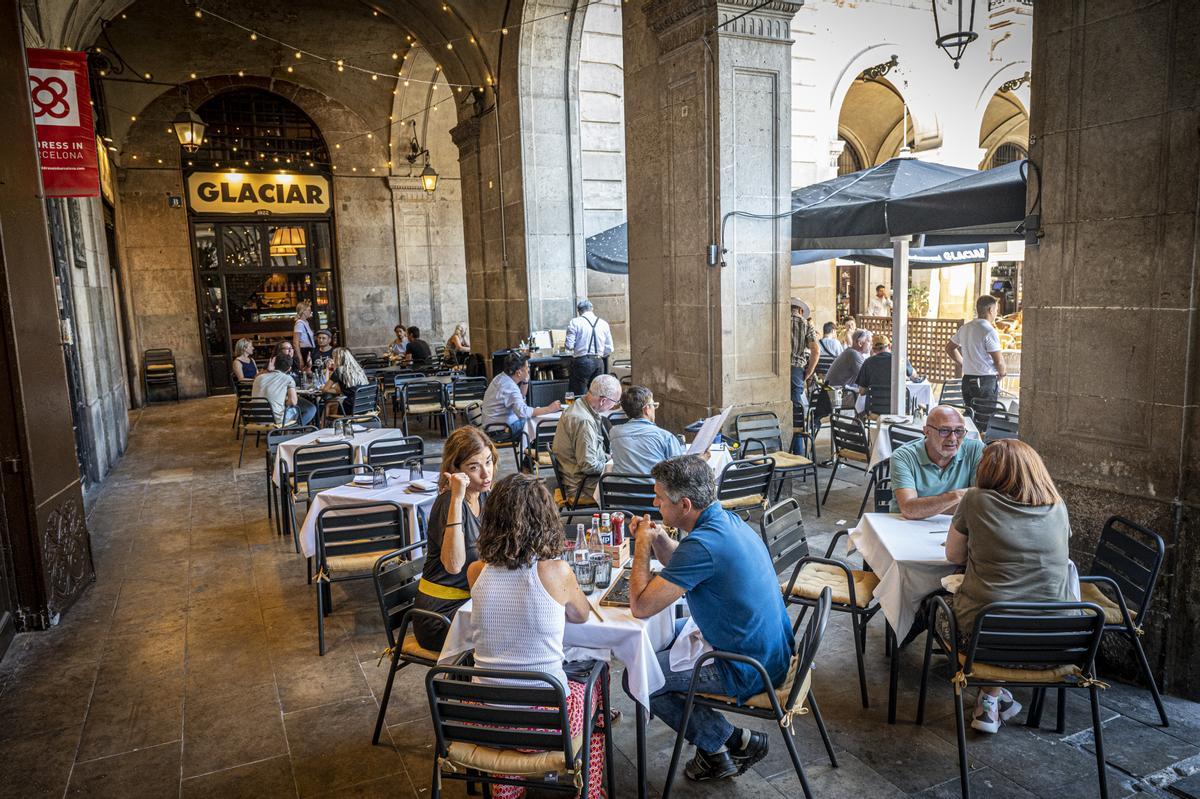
[379, 477]
[568, 553]
[603, 566]
[585, 574]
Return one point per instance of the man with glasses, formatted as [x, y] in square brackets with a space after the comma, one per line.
[639, 445]
[930, 476]
[579, 440]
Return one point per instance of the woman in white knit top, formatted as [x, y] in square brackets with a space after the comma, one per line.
[522, 596]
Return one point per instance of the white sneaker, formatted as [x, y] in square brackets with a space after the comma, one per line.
[1009, 706]
[986, 717]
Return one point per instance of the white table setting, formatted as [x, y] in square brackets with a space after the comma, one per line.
[359, 442]
[398, 490]
[920, 392]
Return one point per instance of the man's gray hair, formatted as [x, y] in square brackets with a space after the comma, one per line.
[605, 386]
[686, 476]
[859, 335]
[583, 306]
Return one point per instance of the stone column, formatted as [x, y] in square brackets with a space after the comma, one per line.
[707, 88]
[1111, 363]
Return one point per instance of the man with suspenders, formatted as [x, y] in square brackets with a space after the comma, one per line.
[589, 339]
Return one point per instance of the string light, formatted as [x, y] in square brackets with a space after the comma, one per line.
[199, 13]
[290, 68]
[193, 76]
[253, 36]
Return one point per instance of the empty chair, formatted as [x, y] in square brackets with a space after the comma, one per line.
[463, 391]
[952, 394]
[745, 485]
[982, 410]
[1001, 424]
[349, 541]
[274, 439]
[399, 451]
[759, 433]
[158, 371]
[543, 441]
[631, 493]
[423, 398]
[850, 446]
[305, 460]
[391, 388]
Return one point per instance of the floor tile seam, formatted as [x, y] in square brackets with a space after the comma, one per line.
[82, 727]
[324, 705]
[239, 765]
[111, 755]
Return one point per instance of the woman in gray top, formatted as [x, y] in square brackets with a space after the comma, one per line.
[1011, 532]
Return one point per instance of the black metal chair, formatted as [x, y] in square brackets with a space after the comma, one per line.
[823, 364]
[760, 432]
[850, 446]
[424, 398]
[257, 418]
[241, 391]
[899, 435]
[745, 485]
[1001, 424]
[783, 704]
[487, 732]
[389, 386]
[982, 409]
[1127, 562]
[500, 434]
[616, 418]
[1035, 645]
[399, 451]
[158, 371]
[274, 438]
[580, 499]
[852, 590]
[462, 391]
[540, 448]
[371, 422]
[361, 401]
[294, 479]
[349, 541]
[952, 394]
[631, 493]
[396, 576]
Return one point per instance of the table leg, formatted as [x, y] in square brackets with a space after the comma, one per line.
[642, 757]
[894, 675]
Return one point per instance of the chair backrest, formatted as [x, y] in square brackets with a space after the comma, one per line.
[617, 418]
[632, 493]
[1130, 555]
[543, 439]
[761, 428]
[396, 576]
[1002, 424]
[332, 476]
[849, 434]
[257, 410]
[241, 388]
[158, 357]
[808, 644]
[361, 529]
[465, 389]
[320, 456]
[951, 394]
[782, 528]
[899, 435]
[474, 414]
[369, 422]
[982, 409]
[531, 714]
[746, 478]
[364, 399]
[1038, 634]
[882, 498]
[274, 437]
[879, 399]
[396, 451]
[400, 378]
[823, 363]
[422, 392]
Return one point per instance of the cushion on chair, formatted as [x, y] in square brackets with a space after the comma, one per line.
[423, 407]
[462, 405]
[160, 367]
[413, 649]
[985, 671]
[509, 761]
[815, 576]
[351, 564]
[751, 501]
[584, 499]
[850, 455]
[1090, 592]
[256, 427]
[763, 702]
[543, 459]
[786, 460]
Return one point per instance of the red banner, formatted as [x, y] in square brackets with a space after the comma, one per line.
[62, 112]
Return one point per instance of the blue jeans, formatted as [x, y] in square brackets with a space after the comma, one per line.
[707, 729]
[799, 389]
[304, 411]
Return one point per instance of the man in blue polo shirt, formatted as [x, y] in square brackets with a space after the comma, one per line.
[931, 475]
[725, 571]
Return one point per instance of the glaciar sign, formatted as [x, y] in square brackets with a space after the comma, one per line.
[966, 256]
[238, 193]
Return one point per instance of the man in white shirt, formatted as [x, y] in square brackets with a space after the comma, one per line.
[880, 304]
[279, 389]
[976, 350]
[590, 340]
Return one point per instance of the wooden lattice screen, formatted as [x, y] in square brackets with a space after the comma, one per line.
[926, 343]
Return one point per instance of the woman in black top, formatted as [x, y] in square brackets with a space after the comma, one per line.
[468, 460]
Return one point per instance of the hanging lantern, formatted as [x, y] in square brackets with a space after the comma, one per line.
[189, 129]
[286, 242]
[429, 176]
[955, 42]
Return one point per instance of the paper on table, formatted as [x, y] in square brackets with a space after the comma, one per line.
[708, 432]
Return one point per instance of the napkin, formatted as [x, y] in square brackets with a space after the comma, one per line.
[358, 428]
[689, 646]
[364, 479]
[422, 486]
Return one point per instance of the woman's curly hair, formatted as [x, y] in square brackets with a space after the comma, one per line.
[520, 524]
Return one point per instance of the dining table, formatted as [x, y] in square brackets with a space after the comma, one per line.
[399, 489]
[919, 391]
[359, 441]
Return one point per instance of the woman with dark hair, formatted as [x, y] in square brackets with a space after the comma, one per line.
[1011, 531]
[522, 596]
[452, 533]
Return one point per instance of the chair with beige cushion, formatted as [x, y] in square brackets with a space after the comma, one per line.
[424, 398]
[158, 370]
[851, 447]
[539, 449]
[462, 391]
[759, 433]
[258, 418]
[579, 499]
[349, 541]
[783, 704]
[745, 485]
[396, 576]
[516, 733]
[1036, 645]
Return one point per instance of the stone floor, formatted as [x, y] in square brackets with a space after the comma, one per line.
[190, 668]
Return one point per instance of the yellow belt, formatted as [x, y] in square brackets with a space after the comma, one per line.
[442, 591]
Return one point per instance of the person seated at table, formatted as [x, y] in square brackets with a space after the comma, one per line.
[724, 570]
[452, 531]
[846, 366]
[930, 475]
[345, 376]
[522, 597]
[579, 439]
[504, 400]
[828, 345]
[399, 346]
[850, 327]
[279, 389]
[285, 348]
[639, 444]
[1011, 531]
[419, 351]
[457, 346]
[243, 365]
[875, 375]
[322, 356]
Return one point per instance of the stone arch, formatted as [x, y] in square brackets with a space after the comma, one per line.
[1004, 121]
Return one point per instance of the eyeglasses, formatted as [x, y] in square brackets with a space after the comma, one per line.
[945, 432]
[653, 405]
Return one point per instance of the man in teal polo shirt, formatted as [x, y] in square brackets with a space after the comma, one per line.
[931, 475]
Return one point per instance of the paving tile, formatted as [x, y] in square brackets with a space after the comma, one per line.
[266, 778]
[984, 782]
[137, 702]
[1139, 749]
[149, 772]
[44, 761]
[331, 747]
[231, 729]
[44, 696]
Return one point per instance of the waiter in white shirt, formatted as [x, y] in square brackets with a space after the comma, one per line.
[880, 304]
[590, 340]
[976, 350]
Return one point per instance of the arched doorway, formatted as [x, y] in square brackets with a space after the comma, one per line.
[1004, 131]
[260, 214]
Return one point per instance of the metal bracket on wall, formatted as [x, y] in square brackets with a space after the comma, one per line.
[11, 465]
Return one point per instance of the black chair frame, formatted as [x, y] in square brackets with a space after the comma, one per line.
[273, 493]
[631, 493]
[848, 433]
[747, 477]
[760, 430]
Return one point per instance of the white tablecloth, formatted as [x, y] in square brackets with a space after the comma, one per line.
[633, 642]
[881, 450]
[360, 441]
[921, 393]
[348, 496]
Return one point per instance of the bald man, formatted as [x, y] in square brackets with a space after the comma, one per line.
[930, 476]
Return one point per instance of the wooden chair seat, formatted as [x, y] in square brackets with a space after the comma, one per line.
[815, 576]
[1090, 592]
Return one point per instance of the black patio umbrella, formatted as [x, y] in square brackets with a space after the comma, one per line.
[982, 206]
